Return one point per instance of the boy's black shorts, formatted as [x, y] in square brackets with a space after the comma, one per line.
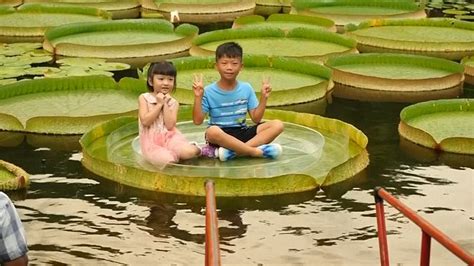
[243, 134]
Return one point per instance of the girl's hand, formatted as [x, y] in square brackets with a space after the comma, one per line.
[160, 98]
[266, 87]
[198, 86]
[167, 99]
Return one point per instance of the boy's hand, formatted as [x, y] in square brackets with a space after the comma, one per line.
[198, 86]
[266, 87]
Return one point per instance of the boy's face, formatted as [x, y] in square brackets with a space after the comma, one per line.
[229, 67]
[162, 83]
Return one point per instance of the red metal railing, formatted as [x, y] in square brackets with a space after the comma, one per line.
[213, 255]
[428, 231]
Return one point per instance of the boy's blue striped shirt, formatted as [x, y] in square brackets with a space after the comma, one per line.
[228, 108]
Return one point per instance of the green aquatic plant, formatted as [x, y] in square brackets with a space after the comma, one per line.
[315, 44]
[395, 77]
[444, 125]
[294, 81]
[29, 22]
[317, 151]
[62, 106]
[269, 7]
[119, 9]
[468, 63]
[343, 12]
[202, 11]
[439, 37]
[285, 22]
[12, 177]
[135, 42]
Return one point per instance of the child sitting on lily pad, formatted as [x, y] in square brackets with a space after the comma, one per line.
[227, 102]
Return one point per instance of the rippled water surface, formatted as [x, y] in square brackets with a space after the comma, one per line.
[72, 216]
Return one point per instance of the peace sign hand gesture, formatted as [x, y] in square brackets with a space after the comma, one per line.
[198, 86]
[266, 87]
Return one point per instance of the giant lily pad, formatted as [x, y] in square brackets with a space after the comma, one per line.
[118, 8]
[268, 7]
[468, 63]
[343, 12]
[108, 151]
[395, 77]
[445, 125]
[440, 37]
[294, 81]
[135, 42]
[202, 11]
[12, 3]
[62, 106]
[12, 177]
[312, 43]
[285, 22]
[30, 21]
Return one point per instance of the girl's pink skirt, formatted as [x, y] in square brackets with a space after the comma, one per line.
[161, 148]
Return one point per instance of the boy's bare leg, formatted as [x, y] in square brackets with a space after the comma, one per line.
[217, 136]
[266, 133]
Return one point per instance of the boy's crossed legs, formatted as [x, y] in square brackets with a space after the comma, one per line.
[265, 133]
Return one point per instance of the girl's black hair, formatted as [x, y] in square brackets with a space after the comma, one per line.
[229, 49]
[161, 68]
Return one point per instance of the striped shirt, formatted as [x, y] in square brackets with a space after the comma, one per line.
[12, 235]
[228, 108]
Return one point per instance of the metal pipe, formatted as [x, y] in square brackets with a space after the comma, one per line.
[427, 227]
[425, 249]
[381, 229]
[213, 255]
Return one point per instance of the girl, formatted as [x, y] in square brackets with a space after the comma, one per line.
[160, 141]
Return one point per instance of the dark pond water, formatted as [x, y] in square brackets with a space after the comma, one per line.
[74, 217]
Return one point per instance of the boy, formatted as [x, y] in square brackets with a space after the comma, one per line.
[227, 101]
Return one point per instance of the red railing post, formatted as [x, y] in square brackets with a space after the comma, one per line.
[425, 249]
[213, 255]
[429, 231]
[381, 229]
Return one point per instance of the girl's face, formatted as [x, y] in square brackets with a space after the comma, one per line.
[162, 83]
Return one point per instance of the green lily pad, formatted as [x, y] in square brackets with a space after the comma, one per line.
[7, 81]
[110, 144]
[29, 22]
[343, 12]
[269, 7]
[441, 125]
[12, 49]
[203, 11]
[12, 72]
[135, 42]
[313, 43]
[468, 63]
[93, 63]
[63, 106]
[12, 177]
[465, 17]
[446, 38]
[285, 22]
[395, 77]
[293, 81]
[40, 71]
[119, 9]
[455, 12]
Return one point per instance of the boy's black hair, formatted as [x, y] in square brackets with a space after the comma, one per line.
[161, 68]
[229, 49]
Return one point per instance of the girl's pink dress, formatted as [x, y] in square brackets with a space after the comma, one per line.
[159, 145]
